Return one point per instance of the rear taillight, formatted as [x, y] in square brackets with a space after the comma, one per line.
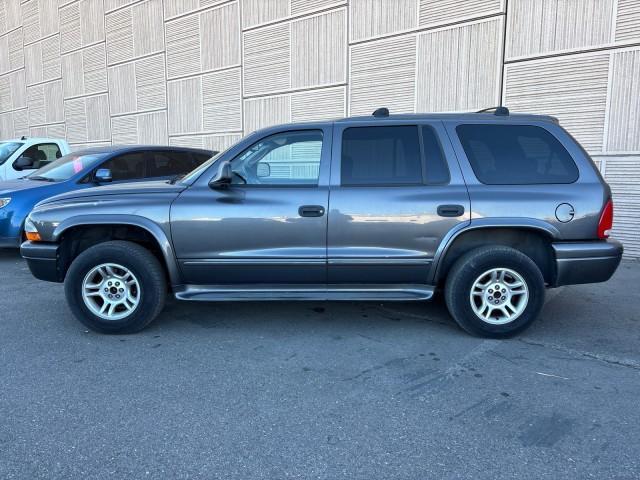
[606, 221]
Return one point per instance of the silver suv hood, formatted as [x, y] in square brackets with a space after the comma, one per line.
[129, 188]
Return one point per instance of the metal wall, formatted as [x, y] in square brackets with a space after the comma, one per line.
[203, 72]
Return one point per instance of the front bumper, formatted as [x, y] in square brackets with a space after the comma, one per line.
[9, 242]
[586, 262]
[42, 259]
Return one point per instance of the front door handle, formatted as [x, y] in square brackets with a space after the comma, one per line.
[311, 211]
[450, 210]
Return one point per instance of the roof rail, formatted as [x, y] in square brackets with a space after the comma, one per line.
[499, 110]
[381, 112]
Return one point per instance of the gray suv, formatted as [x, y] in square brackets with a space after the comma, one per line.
[490, 207]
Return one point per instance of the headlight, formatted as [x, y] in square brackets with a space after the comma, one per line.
[4, 202]
[30, 230]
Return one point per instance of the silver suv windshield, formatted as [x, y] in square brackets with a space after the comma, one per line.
[66, 167]
[7, 149]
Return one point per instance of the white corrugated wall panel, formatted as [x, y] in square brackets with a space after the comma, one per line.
[150, 85]
[628, 20]
[266, 111]
[544, 26]
[220, 37]
[256, 12]
[572, 88]
[183, 46]
[383, 75]
[319, 49]
[322, 104]
[122, 92]
[299, 7]
[374, 18]
[184, 98]
[439, 12]
[459, 68]
[222, 101]
[267, 66]
[623, 174]
[624, 106]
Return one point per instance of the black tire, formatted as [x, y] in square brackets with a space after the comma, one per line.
[139, 261]
[469, 267]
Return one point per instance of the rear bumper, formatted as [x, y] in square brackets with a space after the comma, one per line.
[42, 259]
[586, 262]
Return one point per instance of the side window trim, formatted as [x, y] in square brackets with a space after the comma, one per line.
[425, 160]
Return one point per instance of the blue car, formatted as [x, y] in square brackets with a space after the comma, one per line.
[89, 168]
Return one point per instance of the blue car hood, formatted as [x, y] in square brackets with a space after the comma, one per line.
[12, 186]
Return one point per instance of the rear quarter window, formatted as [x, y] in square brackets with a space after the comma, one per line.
[516, 155]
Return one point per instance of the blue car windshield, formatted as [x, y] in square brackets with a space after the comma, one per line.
[66, 167]
[7, 149]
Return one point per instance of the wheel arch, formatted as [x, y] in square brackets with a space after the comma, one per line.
[533, 238]
[78, 233]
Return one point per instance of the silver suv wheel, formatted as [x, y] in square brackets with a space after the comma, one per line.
[111, 291]
[499, 296]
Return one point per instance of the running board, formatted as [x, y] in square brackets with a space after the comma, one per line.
[231, 293]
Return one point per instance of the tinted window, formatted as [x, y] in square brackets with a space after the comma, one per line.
[290, 158]
[169, 164]
[437, 171]
[130, 166]
[516, 155]
[381, 156]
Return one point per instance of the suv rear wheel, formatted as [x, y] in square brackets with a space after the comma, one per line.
[116, 287]
[494, 291]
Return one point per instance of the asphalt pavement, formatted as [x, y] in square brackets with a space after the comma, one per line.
[320, 390]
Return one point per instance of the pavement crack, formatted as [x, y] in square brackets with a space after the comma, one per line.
[611, 360]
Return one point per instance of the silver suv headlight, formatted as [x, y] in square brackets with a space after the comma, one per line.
[4, 202]
[30, 231]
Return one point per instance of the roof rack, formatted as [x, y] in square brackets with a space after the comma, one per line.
[381, 112]
[499, 110]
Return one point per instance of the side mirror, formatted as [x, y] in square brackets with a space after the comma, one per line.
[103, 175]
[263, 170]
[223, 178]
[23, 163]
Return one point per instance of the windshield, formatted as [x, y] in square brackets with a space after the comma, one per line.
[7, 149]
[66, 167]
[189, 177]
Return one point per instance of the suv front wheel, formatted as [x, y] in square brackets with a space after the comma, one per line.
[116, 287]
[494, 291]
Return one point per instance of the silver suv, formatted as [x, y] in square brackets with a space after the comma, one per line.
[490, 207]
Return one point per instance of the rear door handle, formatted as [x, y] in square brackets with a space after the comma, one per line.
[311, 211]
[450, 210]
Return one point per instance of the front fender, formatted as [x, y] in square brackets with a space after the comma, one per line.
[150, 226]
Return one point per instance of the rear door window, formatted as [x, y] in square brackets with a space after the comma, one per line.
[169, 164]
[385, 155]
[516, 155]
[130, 166]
